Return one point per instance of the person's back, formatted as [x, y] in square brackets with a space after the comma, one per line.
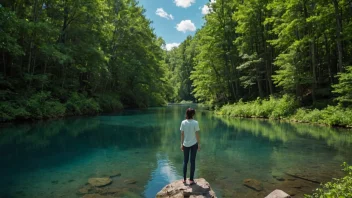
[189, 126]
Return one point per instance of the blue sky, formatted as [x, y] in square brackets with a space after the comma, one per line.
[174, 20]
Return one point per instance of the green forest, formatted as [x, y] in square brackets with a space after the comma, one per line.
[273, 59]
[74, 57]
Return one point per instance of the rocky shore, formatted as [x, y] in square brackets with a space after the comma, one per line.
[116, 185]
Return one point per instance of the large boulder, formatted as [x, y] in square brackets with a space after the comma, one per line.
[99, 182]
[278, 194]
[178, 189]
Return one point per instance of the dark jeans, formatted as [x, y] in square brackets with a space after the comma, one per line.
[186, 150]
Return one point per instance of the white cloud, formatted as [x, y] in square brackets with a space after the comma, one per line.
[207, 8]
[184, 3]
[186, 25]
[160, 12]
[169, 46]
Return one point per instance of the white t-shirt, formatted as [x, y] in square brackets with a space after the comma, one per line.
[189, 127]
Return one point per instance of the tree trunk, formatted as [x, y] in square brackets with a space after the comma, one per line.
[338, 35]
[314, 83]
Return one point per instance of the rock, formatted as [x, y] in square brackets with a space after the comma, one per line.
[278, 176]
[83, 191]
[99, 182]
[178, 189]
[253, 184]
[278, 194]
[115, 174]
[130, 181]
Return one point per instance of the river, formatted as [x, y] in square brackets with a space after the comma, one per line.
[56, 158]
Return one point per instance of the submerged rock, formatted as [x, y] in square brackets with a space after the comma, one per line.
[179, 189]
[130, 181]
[115, 174]
[278, 194]
[253, 184]
[99, 182]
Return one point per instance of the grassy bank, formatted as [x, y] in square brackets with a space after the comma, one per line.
[287, 108]
[44, 105]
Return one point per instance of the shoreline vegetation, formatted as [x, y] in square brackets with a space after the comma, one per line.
[287, 108]
[42, 106]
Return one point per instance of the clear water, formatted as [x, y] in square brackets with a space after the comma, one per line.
[56, 158]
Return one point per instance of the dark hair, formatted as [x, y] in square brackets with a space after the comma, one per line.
[190, 113]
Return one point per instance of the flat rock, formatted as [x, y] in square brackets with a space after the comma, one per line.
[179, 189]
[99, 182]
[253, 184]
[278, 194]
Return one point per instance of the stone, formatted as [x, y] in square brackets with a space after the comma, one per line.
[253, 184]
[99, 182]
[83, 191]
[115, 174]
[130, 181]
[178, 189]
[278, 194]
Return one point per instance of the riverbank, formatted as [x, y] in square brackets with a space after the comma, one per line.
[287, 108]
[45, 106]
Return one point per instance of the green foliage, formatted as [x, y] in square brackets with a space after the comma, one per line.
[109, 102]
[50, 52]
[286, 108]
[331, 115]
[78, 104]
[272, 108]
[42, 106]
[10, 111]
[344, 87]
[337, 188]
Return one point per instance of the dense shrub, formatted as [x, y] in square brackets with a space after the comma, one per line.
[42, 106]
[286, 108]
[10, 111]
[336, 188]
[331, 115]
[109, 102]
[78, 104]
[272, 108]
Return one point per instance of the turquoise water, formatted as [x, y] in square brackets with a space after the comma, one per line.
[56, 158]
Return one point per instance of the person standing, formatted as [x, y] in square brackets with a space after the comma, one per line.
[190, 143]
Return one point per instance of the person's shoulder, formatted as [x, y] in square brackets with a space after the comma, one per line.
[195, 121]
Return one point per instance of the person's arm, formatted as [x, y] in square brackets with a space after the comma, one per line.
[182, 138]
[198, 139]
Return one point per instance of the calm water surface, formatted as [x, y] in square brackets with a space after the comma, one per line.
[56, 158]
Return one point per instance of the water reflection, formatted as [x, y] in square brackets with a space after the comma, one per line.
[143, 145]
[164, 173]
